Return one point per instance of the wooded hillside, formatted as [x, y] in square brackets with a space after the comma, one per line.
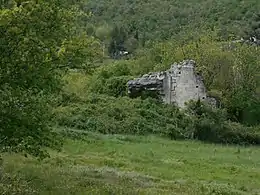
[162, 19]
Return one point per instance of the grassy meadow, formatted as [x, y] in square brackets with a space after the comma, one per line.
[117, 164]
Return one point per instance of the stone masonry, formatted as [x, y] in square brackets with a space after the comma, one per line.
[177, 85]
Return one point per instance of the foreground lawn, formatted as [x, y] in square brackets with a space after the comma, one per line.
[100, 164]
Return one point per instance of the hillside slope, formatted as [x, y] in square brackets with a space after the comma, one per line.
[161, 19]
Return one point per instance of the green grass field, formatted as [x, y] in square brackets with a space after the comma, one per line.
[106, 164]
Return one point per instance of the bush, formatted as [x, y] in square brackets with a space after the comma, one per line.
[25, 123]
[111, 79]
[113, 86]
[227, 133]
[106, 114]
[122, 115]
[211, 125]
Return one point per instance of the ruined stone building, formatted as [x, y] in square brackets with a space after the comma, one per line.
[177, 85]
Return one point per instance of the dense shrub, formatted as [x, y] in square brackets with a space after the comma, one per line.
[111, 79]
[122, 115]
[106, 114]
[25, 123]
[211, 125]
[113, 86]
[227, 133]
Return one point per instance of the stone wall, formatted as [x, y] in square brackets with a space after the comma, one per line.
[177, 85]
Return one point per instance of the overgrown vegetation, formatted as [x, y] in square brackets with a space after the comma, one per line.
[105, 107]
[63, 67]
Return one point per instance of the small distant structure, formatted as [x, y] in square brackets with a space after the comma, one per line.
[253, 41]
[120, 54]
[123, 53]
[178, 85]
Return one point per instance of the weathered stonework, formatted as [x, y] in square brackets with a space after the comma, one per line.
[177, 85]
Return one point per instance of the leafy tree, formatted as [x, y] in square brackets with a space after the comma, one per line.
[131, 44]
[254, 29]
[242, 101]
[118, 38]
[32, 39]
[103, 33]
[81, 52]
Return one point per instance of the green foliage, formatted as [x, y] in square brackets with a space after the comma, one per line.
[25, 123]
[118, 38]
[103, 33]
[254, 29]
[211, 125]
[81, 52]
[232, 73]
[111, 79]
[109, 115]
[117, 68]
[106, 114]
[114, 86]
[163, 19]
[41, 39]
[35, 36]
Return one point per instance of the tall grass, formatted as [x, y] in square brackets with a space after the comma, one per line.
[120, 164]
